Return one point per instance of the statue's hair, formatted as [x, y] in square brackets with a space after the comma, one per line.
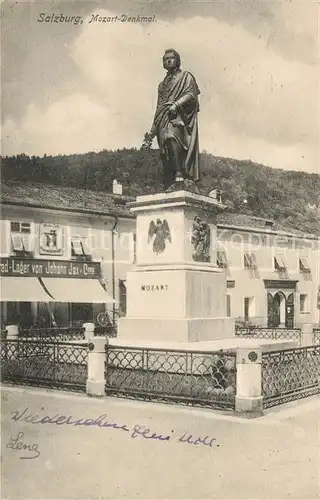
[177, 56]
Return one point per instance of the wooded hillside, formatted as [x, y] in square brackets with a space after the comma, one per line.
[289, 197]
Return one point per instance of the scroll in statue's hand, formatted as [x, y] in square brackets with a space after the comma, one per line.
[152, 132]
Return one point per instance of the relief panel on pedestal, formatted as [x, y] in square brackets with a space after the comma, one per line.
[159, 238]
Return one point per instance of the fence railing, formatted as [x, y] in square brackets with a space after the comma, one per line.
[63, 333]
[218, 380]
[42, 362]
[316, 336]
[197, 378]
[53, 334]
[256, 332]
[106, 331]
[290, 374]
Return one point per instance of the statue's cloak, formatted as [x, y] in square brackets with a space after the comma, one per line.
[181, 88]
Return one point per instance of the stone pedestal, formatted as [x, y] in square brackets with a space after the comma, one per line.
[176, 292]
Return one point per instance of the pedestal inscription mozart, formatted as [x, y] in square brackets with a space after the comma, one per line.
[175, 123]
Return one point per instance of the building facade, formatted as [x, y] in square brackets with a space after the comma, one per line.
[272, 275]
[65, 253]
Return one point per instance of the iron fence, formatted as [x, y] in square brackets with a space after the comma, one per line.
[106, 331]
[53, 334]
[256, 332]
[68, 333]
[316, 336]
[190, 377]
[45, 363]
[290, 374]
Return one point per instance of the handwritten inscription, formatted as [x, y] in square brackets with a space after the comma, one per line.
[146, 433]
[153, 288]
[57, 419]
[17, 444]
[137, 431]
[189, 439]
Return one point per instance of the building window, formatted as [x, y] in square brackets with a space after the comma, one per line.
[81, 313]
[21, 227]
[279, 263]
[303, 302]
[249, 307]
[304, 266]
[76, 248]
[80, 245]
[222, 259]
[246, 307]
[122, 298]
[229, 306]
[21, 238]
[250, 261]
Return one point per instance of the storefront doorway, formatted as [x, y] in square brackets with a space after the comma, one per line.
[280, 310]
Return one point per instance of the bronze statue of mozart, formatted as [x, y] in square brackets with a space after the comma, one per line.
[175, 122]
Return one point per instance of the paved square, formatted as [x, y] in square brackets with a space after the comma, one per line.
[62, 446]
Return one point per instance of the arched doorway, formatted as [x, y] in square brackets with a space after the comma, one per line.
[280, 310]
[290, 311]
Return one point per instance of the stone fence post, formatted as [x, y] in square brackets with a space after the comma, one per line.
[12, 332]
[306, 334]
[249, 398]
[96, 361]
[88, 330]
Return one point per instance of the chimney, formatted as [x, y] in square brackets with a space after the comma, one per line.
[116, 187]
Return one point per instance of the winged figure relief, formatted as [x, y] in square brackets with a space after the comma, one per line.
[201, 240]
[159, 229]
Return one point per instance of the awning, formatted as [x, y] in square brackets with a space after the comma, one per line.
[280, 264]
[16, 289]
[77, 290]
[304, 265]
[250, 260]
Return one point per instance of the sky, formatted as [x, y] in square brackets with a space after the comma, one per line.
[73, 88]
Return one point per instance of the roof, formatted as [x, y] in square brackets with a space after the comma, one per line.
[34, 194]
[66, 198]
[245, 221]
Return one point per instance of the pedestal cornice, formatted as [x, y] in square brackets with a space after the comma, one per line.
[181, 266]
[176, 199]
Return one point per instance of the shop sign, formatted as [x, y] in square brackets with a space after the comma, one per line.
[48, 268]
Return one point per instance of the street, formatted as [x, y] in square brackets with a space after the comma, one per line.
[59, 445]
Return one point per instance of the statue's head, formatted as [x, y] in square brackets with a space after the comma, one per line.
[171, 60]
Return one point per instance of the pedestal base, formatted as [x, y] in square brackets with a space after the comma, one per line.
[176, 329]
[176, 292]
